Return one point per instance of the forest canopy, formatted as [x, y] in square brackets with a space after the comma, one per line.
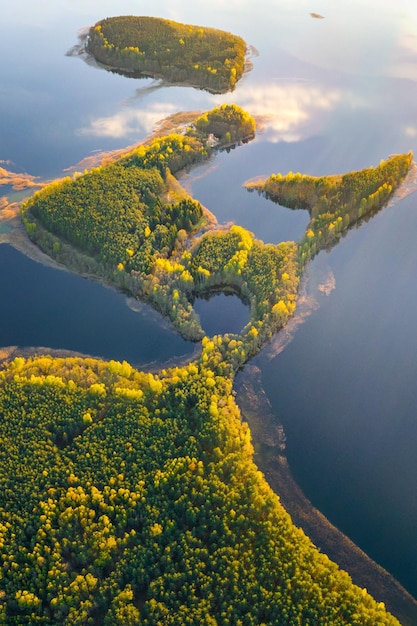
[208, 58]
[132, 498]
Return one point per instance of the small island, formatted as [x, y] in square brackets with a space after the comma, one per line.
[206, 58]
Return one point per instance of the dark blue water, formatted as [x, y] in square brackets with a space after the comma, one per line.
[56, 309]
[221, 314]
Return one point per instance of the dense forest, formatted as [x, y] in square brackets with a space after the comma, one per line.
[148, 508]
[132, 498]
[180, 53]
[131, 222]
[229, 124]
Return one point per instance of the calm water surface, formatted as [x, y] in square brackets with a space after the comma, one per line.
[234, 314]
[346, 387]
[56, 309]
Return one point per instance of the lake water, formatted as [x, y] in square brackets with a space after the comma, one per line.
[56, 309]
[332, 95]
[234, 314]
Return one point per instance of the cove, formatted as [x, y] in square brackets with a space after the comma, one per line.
[221, 313]
[51, 308]
[218, 185]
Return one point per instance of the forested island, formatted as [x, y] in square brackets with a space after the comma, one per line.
[149, 508]
[207, 58]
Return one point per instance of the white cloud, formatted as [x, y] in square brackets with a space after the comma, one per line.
[128, 121]
[291, 110]
[411, 131]
[403, 63]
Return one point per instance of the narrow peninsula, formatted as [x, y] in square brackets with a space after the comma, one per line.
[335, 203]
[206, 58]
